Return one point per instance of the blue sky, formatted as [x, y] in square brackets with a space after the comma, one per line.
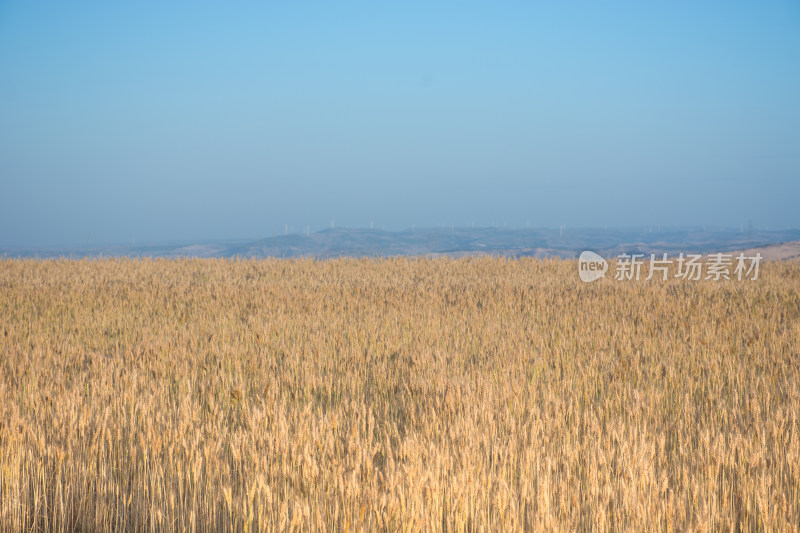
[189, 121]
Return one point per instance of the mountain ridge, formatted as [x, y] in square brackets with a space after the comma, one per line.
[440, 242]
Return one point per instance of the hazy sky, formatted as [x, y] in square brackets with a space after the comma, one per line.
[136, 121]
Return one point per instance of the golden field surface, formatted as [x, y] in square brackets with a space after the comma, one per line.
[476, 394]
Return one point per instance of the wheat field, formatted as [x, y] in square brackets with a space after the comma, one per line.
[477, 394]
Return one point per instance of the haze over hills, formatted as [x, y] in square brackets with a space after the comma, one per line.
[451, 242]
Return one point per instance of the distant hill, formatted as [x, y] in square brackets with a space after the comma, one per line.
[781, 251]
[456, 242]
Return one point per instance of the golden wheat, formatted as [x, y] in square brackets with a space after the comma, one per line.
[470, 394]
